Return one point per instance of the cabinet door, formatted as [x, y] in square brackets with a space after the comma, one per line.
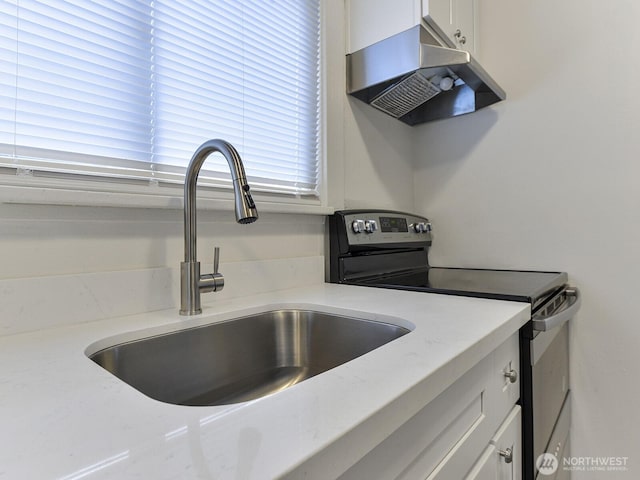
[502, 459]
[442, 440]
[508, 440]
[370, 21]
[486, 468]
[453, 20]
[464, 19]
[439, 16]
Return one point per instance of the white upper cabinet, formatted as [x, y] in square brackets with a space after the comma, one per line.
[453, 20]
[370, 21]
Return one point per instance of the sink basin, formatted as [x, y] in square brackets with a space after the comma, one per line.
[244, 358]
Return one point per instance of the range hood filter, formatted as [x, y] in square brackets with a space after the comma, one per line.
[406, 95]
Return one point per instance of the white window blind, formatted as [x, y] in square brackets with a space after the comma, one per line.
[129, 89]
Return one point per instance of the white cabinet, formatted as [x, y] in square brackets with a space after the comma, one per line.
[485, 468]
[444, 440]
[452, 21]
[370, 21]
[502, 459]
[505, 391]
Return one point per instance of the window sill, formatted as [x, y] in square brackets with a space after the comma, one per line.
[37, 191]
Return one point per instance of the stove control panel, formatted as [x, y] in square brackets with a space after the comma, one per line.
[370, 227]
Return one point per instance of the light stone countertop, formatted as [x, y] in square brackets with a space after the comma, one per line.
[64, 417]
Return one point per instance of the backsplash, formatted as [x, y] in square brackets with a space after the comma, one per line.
[28, 304]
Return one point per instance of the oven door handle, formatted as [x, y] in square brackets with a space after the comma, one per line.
[571, 306]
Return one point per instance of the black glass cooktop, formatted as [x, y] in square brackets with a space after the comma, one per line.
[514, 285]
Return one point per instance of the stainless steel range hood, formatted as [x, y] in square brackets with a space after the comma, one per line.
[410, 77]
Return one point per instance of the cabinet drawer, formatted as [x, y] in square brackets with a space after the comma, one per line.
[505, 380]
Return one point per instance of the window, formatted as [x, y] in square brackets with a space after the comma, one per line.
[129, 89]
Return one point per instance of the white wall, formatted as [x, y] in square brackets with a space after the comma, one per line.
[378, 160]
[549, 180]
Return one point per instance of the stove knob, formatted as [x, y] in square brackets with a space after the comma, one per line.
[357, 226]
[422, 227]
[370, 226]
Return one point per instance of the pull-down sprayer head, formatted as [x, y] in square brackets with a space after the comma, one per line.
[245, 208]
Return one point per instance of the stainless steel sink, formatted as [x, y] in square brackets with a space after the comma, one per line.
[244, 358]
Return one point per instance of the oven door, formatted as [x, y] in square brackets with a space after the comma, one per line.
[550, 387]
[549, 357]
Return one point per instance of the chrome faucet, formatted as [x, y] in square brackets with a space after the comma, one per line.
[192, 283]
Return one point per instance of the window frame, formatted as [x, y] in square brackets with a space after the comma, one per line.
[21, 186]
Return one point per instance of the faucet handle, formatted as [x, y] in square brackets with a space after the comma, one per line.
[212, 282]
[216, 259]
